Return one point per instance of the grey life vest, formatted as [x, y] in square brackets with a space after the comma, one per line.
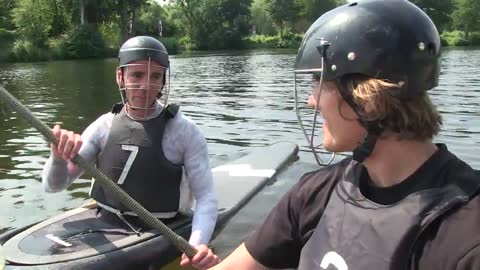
[357, 234]
[133, 157]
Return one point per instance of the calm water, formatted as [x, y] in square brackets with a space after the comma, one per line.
[239, 100]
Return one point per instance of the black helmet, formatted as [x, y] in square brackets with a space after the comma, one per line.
[384, 39]
[143, 47]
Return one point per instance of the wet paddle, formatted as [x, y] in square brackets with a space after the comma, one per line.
[108, 184]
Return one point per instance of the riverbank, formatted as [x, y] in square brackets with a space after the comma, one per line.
[87, 44]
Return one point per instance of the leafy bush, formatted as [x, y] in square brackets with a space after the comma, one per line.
[6, 43]
[58, 48]
[187, 43]
[25, 51]
[6, 34]
[171, 44]
[262, 41]
[289, 40]
[85, 41]
[455, 38]
[32, 22]
[475, 39]
[110, 32]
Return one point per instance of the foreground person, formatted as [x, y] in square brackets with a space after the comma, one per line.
[400, 201]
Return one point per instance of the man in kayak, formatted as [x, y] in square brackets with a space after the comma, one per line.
[400, 201]
[145, 146]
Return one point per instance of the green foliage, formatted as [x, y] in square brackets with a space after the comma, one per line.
[110, 32]
[147, 21]
[262, 41]
[85, 41]
[50, 29]
[171, 43]
[475, 39]
[289, 40]
[454, 38]
[174, 22]
[187, 43]
[33, 22]
[6, 43]
[6, 34]
[59, 17]
[283, 12]
[58, 48]
[215, 24]
[438, 10]
[5, 14]
[467, 16]
[312, 9]
[26, 51]
[261, 18]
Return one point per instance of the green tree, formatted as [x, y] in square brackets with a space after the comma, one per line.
[283, 12]
[261, 18]
[215, 24]
[466, 17]
[148, 20]
[130, 10]
[192, 12]
[60, 18]
[33, 20]
[438, 10]
[311, 10]
[174, 23]
[5, 14]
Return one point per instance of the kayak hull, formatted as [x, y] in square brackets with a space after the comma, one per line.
[77, 239]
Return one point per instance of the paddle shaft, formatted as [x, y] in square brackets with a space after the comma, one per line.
[108, 184]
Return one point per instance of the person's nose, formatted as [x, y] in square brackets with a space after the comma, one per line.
[311, 101]
[143, 84]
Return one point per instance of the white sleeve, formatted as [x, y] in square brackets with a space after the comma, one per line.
[199, 174]
[57, 175]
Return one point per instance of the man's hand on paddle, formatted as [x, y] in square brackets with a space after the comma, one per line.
[204, 259]
[68, 143]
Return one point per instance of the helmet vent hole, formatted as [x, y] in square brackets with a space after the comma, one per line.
[353, 4]
[431, 49]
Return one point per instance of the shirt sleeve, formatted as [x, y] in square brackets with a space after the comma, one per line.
[275, 244]
[58, 174]
[197, 169]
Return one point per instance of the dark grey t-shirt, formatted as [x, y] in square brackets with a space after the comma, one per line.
[277, 243]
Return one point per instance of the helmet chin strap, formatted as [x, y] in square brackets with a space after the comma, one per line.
[365, 149]
[150, 107]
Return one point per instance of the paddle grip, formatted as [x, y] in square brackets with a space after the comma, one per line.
[107, 183]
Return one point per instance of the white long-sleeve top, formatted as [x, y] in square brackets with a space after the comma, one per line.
[183, 143]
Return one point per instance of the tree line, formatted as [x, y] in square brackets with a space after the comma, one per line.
[68, 29]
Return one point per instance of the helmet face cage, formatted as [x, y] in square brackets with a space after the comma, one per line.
[303, 87]
[141, 84]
